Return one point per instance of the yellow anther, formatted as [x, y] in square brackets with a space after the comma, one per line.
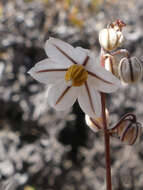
[76, 74]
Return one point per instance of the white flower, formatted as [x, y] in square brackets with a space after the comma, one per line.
[72, 73]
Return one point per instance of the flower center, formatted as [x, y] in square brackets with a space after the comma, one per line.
[76, 74]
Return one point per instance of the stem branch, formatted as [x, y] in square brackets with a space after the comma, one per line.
[121, 51]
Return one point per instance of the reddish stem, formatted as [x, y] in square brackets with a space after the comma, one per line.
[107, 144]
[121, 52]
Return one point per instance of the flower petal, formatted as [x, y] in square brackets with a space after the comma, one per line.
[46, 71]
[81, 54]
[90, 100]
[60, 51]
[102, 84]
[61, 96]
[92, 124]
[103, 80]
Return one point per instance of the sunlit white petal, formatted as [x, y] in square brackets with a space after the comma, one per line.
[60, 51]
[89, 100]
[80, 54]
[61, 96]
[46, 71]
[102, 86]
[90, 124]
[103, 80]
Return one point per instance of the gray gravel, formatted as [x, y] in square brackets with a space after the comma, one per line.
[50, 150]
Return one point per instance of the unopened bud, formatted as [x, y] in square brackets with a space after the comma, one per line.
[127, 129]
[129, 132]
[130, 70]
[96, 123]
[110, 39]
[111, 64]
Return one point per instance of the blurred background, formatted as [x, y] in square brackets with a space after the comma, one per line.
[41, 149]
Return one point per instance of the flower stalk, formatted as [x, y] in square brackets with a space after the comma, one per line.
[107, 144]
[106, 133]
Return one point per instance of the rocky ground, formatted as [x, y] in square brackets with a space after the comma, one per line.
[41, 149]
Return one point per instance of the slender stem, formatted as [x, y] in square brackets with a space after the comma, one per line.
[107, 145]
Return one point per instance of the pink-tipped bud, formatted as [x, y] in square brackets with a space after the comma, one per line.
[117, 25]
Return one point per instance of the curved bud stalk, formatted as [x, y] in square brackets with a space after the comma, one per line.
[130, 70]
[127, 129]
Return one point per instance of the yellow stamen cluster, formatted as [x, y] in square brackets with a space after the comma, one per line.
[76, 74]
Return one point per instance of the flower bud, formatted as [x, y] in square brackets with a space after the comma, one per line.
[130, 70]
[96, 123]
[127, 129]
[110, 39]
[111, 64]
